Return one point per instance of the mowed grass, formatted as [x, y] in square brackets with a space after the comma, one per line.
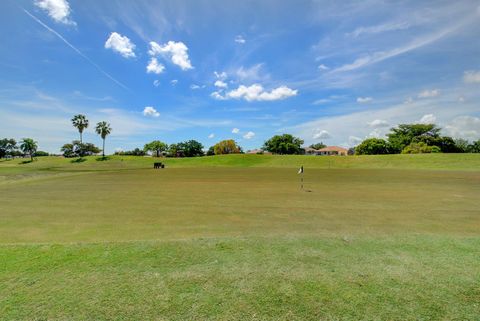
[234, 238]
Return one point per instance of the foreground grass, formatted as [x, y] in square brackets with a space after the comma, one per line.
[414, 278]
[228, 238]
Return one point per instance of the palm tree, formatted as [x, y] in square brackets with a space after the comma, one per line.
[103, 129]
[80, 122]
[29, 146]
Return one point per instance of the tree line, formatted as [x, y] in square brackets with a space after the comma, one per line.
[405, 138]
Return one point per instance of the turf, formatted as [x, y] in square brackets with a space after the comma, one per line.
[234, 238]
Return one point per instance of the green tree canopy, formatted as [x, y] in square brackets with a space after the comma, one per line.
[228, 146]
[156, 147]
[283, 144]
[78, 149]
[191, 148]
[373, 146]
[7, 146]
[404, 135]
[474, 147]
[318, 145]
[29, 146]
[420, 148]
[80, 122]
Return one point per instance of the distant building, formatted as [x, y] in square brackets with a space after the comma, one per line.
[333, 150]
[258, 151]
[311, 151]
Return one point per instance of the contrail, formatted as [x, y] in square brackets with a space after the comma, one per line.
[76, 50]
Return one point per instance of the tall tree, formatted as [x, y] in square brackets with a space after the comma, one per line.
[7, 146]
[29, 146]
[155, 147]
[103, 129]
[405, 134]
[191, 148]
[228, 146]
[283, 144]
[80, 122]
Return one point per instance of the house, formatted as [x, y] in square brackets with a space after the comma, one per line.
[333, 150]
[311, 151]
[258, 151]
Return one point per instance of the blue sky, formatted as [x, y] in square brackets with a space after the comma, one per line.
[331, 71]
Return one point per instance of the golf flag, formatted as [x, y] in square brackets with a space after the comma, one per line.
[300, 171]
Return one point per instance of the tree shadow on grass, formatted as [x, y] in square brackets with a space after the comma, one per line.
[26, 161]
[102, 159]
[78, 160]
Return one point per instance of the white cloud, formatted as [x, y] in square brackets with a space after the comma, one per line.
[354, 140]
[195, 86]
[387, 54]
[240, 39]
[380, 28]
[174, 82]
[212, 135]
[428, 119]
[177, 52]
[256, 92]
[461, 99]
[155, 67]
[220, 84]
[156, 83]
[471, 77]
[429, 93]
[464, 127]
[120, 44]
[323, 67]
[364, 100]
[150, 111]
[377, 123]
[250, 74]
[220, 75]
[58, 10]
[235, 131]
[376, 133]
[217, 95]
[323, 134]
[249, 135]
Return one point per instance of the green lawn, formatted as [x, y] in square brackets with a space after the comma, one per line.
[391, 237]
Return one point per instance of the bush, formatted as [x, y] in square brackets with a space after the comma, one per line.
[373, 146]
[420, 148]
[40, 153]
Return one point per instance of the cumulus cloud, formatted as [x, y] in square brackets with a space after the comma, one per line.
[177, 52]
[240, 39]
[220, 84]
[235, 131]
[471, 77]
[323, 67]
[150, 111]
[58, 10]
[120, 44]
[377, 123]
[429, 93]
[249, 135]
[256, 92]
[428, 119]
[155, 67]
[364, 100]
[464, 127]
[376, 133]
[156, 83]
[323, 134]
[212, 135]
